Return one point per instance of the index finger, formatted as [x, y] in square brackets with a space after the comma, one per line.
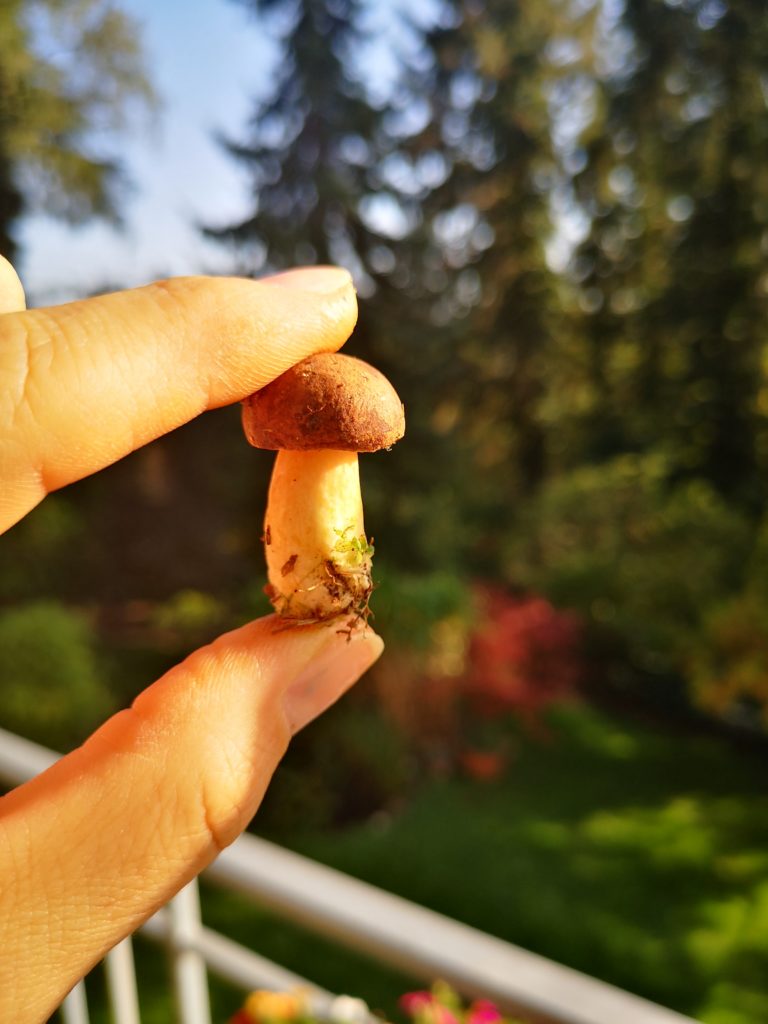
[83, 384]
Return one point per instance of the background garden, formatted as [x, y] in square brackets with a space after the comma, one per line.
[556, 213]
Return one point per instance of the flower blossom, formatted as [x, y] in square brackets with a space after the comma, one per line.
[427, 1009]
[483, 1011]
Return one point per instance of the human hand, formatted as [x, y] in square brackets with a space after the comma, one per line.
[93, 846]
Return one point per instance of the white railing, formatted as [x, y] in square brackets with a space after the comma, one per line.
[424, 944]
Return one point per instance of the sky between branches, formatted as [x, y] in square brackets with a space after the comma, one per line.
[210, 60]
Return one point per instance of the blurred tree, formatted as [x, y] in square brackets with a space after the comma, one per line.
[309, 147]
[642, 561]
[672, 270]
[69, 73]
[479, 260]
[492, 223]
[53, 690]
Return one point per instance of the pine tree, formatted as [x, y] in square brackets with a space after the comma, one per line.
[481, 254]
[672, 269]
[309, 148]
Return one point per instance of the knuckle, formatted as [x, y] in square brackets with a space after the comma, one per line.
[16, 360]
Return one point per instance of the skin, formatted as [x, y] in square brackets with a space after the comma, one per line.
[92, 847]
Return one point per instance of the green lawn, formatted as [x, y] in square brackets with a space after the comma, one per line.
[636, 857]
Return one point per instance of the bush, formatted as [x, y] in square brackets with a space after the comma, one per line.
[50, 687]
[410, 610]
[640, 557]
[44, 553]
[523, 654]
[188, 615]
[728, 666]
[425, 621]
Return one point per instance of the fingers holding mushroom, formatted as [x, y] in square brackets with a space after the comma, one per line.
[318, 416]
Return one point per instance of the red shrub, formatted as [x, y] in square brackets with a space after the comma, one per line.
[523, 653]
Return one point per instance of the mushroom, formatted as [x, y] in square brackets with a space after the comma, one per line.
[318, 416]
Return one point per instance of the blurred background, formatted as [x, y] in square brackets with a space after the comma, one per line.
[556, 214]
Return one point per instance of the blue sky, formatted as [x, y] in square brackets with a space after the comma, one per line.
[209, 59]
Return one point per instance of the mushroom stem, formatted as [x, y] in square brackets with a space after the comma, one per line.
[318, 557]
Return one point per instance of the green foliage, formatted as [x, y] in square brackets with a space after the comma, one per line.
[637, 857]
[727, 662]
[188, 612]
[42, 552]
[671, 273]
[635, 553]
[409, 609]
[351, 764]
[352, 552]
[69, 73]
[51, 689]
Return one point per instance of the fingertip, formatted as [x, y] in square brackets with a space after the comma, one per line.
[247, 332]
[315, 309]
[321, 280]
[269, 674]
[12, 299]
[302, 669]
[342, 660]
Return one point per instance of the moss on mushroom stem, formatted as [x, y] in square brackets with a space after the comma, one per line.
[318, 557]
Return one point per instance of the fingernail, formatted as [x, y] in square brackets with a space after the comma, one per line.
[322, 280]
[336, 666]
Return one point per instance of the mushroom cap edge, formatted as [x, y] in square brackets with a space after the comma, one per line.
[328, 400]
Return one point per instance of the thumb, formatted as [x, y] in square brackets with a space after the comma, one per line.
[93, 846]
[12, 298]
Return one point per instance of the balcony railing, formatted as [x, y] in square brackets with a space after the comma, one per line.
[424, 944]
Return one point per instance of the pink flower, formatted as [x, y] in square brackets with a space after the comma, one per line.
[415, 1002]
[443, 1016]
[426, 1008]
[483, 1012]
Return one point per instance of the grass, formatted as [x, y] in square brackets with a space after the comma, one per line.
[637, 857]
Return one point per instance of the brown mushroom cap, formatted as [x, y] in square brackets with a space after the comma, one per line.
[325, 401]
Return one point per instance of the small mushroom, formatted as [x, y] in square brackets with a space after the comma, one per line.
[318, 416]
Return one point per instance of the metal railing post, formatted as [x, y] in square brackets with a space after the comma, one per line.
[189, 971]
[121, 984]
[74, 1009]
